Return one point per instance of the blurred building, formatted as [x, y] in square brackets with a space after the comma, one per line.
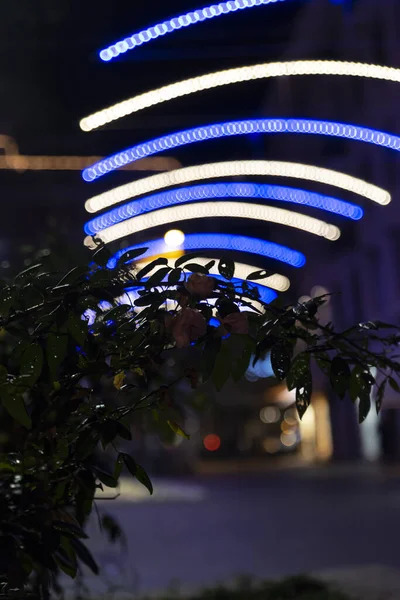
[364, 265]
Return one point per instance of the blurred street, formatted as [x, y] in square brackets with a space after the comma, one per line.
[213, 528]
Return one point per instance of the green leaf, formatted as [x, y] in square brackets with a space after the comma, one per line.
[32, 363]
[157, 277]
[394, 385]
[323, 361]
[281, 358]
[175, 276]
[211, 349]
[242, 349]
[123, 431]
[222, 366]
[15, 406]
[380, 394]
[84, 555]
[70, 529]
[210, 265]
[364, 405]
[28, 272]
[226, 268]
[299, 371]
[258, 275]
[77, 328]
[196, 268]
[3, 374]
[148, 299]
[66, 565]
[119, 380]
[130, 255]
[360, 388]
[138, 472]
[119, 463]
[105, 478]
[178, 430]
[117, 312]
[155, 263]
[56, 350]
[339, 376]
[101, 256]
[184, 259]
[303, 395]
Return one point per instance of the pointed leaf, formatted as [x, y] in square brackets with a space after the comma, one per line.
[178, 430]
[15, 406]
[119, 380]
[84, 555]
[56, 350]
[32, 363]
[6, 301]
[155, 263]
[380, 396]
[175, 276]
[196, 268]
[281, 358]
[303, 396]
[299, 372]
[157, 277]
[105, 478]
[258, 275]
[184, 259]
[130, 255]
[77, 328]
[339, 376]
[394, 385]
[138, 472]
[101, 256]
[226, 268]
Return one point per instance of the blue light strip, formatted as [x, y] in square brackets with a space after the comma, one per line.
[266, 294]
[220, 241]
[179, 22]
[229, 128]
[198, 193]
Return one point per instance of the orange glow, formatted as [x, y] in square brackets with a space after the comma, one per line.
[13, 160]
[212, 442]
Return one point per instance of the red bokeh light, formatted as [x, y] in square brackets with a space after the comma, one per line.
[212, 442]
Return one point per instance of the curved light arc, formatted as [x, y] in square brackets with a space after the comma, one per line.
[227, 242]
[237, 168]
[232, 76]
[170, 25]
[233, 128]
[237, 191]
[203, 210]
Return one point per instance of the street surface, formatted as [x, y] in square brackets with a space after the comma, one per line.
[213, 528]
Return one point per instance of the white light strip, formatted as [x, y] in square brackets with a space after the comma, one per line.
[235, 168]
[238, 75]
[277, 282]
[201, 210]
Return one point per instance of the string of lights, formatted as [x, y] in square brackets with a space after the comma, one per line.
[179, 22]
[231, 128]
[203, 210]
[235, 169]
[219, 241]
[232, 76]
[223, 190]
